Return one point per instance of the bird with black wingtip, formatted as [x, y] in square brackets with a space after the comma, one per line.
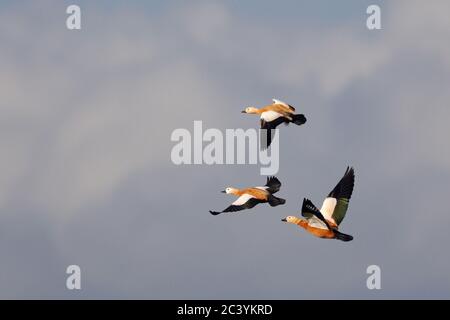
[250, 197]
[271, 116]
[324, 223]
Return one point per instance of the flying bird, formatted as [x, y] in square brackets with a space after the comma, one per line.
[250, 197]
[324, 223]
[273, 115]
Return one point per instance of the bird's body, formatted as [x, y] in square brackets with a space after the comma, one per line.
[324, 223]
[250, 197]
[256, 192]
[274, 110]
[272, 116]
[314, 230]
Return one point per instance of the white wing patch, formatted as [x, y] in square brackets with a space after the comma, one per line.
[316, 223]
[242, 199]
[269, 116]
[328, 208]
[261, 188]
[276, 101]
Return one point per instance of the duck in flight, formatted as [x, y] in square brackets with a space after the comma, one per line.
[273, 115]
[324, 223]
[250, 197]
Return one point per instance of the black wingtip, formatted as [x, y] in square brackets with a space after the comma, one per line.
[214, 213]
[344, 187]
[272, 179]
[351, 170]
[307, 205]
[306, 201]
[273, 184]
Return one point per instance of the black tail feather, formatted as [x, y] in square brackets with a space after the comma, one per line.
[298, 119]
[275, 201]
[343, 236]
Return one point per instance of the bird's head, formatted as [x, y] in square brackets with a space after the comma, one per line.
[250, 110]
[290, 219]
[230, 190]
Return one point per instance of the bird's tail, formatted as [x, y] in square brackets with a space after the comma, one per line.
[275, 201]
[298, 119]
[342, 236]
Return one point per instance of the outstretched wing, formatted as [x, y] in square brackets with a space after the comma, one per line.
[270, 120]
[335, 205]
[246, 201]
[273, 184]
[310, 211]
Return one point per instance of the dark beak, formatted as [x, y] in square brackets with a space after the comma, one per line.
[284, 220]
[223, 191]
[243, 111]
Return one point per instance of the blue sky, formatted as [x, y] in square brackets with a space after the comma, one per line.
[85, 148]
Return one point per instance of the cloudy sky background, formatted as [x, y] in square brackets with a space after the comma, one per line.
[86, 176]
